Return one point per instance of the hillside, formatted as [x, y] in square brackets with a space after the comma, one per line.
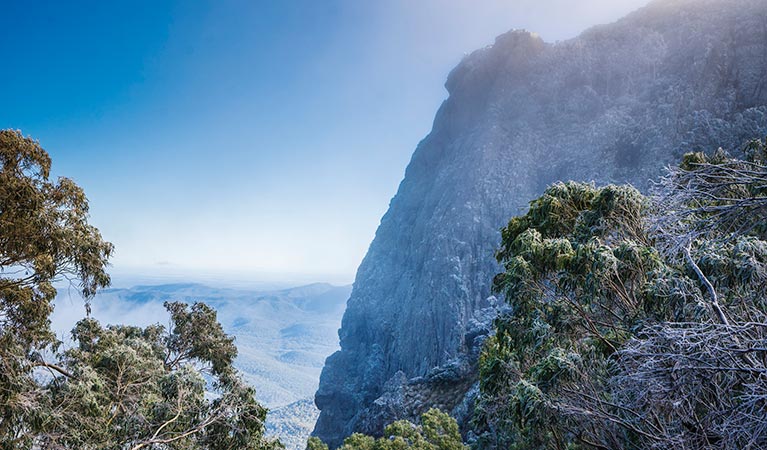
[616, 104]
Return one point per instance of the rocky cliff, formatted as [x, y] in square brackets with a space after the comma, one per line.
[615, 104]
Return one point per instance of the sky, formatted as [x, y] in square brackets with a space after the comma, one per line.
[257, 140]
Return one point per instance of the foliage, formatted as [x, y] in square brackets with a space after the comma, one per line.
[315, 443]
[712, 198]
[701, 384]
[127, 387]
[44, 237]
[117, 387]
[577, 266]
[600, 289]
[437, 431]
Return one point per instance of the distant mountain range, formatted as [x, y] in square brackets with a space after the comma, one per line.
[283, 337]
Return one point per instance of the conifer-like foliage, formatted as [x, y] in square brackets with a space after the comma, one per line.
[616, 298]
[437, 431]
[117, 387]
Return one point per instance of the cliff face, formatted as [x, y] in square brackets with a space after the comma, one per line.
[613, 105]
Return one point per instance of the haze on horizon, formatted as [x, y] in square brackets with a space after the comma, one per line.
[248, 137]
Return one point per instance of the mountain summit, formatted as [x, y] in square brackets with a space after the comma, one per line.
[615, 104]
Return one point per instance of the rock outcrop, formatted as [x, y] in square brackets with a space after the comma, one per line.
[616, 104]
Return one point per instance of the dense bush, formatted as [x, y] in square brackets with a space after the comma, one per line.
[636, 322]
[437, 431]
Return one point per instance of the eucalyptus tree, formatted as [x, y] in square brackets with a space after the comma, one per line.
[635, 322]
[437, 431]
[150, 388]
[704, 382]
[577, 266]
[116, 387]
[44, 237]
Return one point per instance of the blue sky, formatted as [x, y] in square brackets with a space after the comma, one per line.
[257, 138]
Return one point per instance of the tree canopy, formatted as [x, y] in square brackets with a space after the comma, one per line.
[636, 322]
[134, 388]
[117, 386]
[44, 237]
[437, 431]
